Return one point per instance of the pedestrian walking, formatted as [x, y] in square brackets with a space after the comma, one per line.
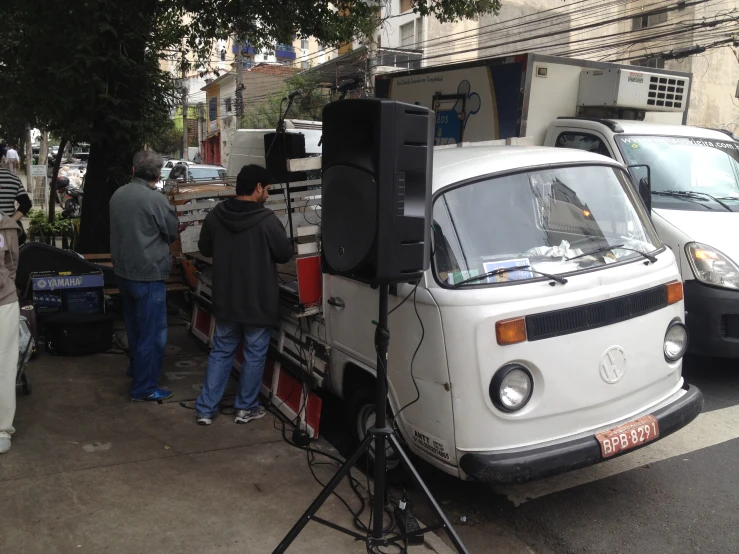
[9, 327]
[246, 241]
[142, 226]
[12, 192]
[11, 156]
[197, 159]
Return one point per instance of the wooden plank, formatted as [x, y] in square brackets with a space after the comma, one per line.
[226, 192]
[296, 184]
[304, 164]
[96, 256]
[295, 206]
[205, 205]
[308, 248]
[308, 230]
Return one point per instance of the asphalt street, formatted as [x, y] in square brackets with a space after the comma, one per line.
[674, 499]
[680, 495]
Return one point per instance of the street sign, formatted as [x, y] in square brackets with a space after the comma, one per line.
[38, 170]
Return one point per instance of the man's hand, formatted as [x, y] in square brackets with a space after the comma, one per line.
[17, 216]
[182, 227]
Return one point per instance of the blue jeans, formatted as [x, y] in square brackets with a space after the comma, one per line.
[145, 314]
[226, 340]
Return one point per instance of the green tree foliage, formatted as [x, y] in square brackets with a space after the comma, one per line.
[90, 70]
[266, 114]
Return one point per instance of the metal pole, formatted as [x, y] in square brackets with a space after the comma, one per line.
[382, 339]
[185, 91]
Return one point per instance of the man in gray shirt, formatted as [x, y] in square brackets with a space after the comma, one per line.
[142, 226]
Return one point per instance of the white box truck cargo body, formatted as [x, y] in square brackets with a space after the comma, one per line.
[520, 96]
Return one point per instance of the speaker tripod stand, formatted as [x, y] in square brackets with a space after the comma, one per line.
[380, 434]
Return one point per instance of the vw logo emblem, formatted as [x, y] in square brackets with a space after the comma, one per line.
[613, 365]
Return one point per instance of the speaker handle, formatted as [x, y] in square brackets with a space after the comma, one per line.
[336, 302]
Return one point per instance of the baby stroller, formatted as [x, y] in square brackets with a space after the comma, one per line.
[26, 348]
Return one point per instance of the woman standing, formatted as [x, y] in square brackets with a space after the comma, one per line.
[9, 321]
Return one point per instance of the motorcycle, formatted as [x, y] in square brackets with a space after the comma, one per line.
[69, 197]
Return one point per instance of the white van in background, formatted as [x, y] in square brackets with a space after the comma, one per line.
[248, 144]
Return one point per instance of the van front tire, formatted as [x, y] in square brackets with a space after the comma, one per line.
[361, 408]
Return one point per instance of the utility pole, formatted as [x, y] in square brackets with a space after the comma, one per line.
[184, 111]
[239, 100]
[374, 39]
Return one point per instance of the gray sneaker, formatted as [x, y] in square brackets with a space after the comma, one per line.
[5, 445]
[204, 420]
[245, 416]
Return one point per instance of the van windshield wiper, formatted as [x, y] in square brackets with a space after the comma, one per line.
[615, 247]
[502, 270]
[692, 194]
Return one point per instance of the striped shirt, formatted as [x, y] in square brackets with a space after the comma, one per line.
[11, 189]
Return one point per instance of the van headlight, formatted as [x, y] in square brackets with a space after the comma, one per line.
[712, 267]
[676, 341]
[511, 387]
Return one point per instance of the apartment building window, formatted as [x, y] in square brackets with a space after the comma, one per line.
[406, 5]
[406, 34]
[223, 55]
[646, 20]
[304, 43]
[419, 33]
[305, 64]
[657, 62]
[228, 105]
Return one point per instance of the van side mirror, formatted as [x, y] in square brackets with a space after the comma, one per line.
[645, 191]
[642, 175]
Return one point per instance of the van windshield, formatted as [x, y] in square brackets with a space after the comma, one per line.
[557, 221]
[683, 164]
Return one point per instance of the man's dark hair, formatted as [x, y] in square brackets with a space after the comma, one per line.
[248, 179]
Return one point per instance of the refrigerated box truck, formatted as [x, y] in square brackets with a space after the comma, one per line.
[688, 176]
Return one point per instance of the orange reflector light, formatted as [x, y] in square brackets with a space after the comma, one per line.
[510, 331]
[674, 292]
[586, 213]
[705, 254]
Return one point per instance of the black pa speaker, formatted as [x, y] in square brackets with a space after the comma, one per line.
[376, 190]
[276, 161]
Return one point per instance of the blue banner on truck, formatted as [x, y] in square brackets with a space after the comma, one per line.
[472, 103]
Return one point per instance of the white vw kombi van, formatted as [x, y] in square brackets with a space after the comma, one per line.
[548, 333]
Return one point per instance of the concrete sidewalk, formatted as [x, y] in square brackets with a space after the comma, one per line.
[90, 471]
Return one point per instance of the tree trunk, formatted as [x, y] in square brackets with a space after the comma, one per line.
[105, 173]
[43, 152]
[54, 177]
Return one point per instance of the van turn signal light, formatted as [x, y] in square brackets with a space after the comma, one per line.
[674, 292]
[510, 331]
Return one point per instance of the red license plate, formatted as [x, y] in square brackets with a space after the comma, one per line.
[628, 436]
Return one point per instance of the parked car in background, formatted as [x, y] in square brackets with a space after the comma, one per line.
[190, 173]
[171, 163]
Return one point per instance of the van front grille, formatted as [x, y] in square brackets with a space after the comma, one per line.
[597, 314]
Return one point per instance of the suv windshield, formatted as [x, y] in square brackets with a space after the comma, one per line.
[708, 167]
[555, 221]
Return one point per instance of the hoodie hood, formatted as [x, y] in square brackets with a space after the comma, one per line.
[239, 215]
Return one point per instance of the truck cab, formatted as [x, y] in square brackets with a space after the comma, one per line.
[693, 174]
[547, 334]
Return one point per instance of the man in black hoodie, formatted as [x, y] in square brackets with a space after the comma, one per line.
[245, 240]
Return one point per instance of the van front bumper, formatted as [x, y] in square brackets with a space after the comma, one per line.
[537, 463]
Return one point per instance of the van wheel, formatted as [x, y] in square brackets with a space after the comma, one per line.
[362, 418]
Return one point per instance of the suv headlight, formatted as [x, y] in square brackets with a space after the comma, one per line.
[712, 267]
